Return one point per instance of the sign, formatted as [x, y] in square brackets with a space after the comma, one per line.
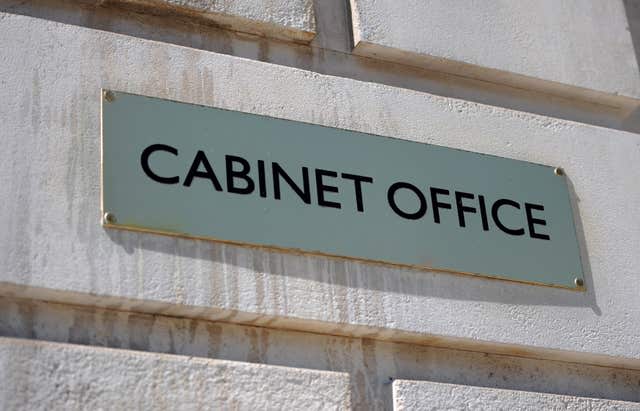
[209, 173]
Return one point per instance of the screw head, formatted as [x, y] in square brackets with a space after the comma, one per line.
[579, 282]
[558, 171]
[109, 96]
[108, 218]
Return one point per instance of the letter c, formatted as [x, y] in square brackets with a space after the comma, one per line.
[144, 162]
[494, 213]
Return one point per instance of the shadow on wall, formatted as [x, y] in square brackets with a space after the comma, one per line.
[364, 275]
[632, 8]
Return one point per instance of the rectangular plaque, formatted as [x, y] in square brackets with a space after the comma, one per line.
[209, 173]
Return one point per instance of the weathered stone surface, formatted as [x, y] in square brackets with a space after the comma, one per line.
[558, 47]
[370, 363]
[284, 19]
[40, 375]
[53, 247]
[425, 395]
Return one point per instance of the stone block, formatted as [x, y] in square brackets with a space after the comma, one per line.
[38, 375]
[426, 395]
[577, 49]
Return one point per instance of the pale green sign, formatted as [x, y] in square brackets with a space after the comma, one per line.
[210, 173]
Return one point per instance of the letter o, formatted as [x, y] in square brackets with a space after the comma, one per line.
[392, 202]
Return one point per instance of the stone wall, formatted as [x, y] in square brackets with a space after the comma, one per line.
[551, 83]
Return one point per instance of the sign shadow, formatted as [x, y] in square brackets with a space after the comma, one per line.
[329, 272]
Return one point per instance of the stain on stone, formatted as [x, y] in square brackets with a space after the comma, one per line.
[208, 86]
[172, 342]
[229, 260]
[193, 329]
[25, 321]
[35, 102]
[338, 277]
[72, 157]
[258, 269]
[360, 391]
[214, 334]
[83, 323]
[253, 355]
[304, 57]
[264, 344]
[19, 257]
[263, 50]
[278, 290]
[139, 329]
[108, 334]
[370, 362]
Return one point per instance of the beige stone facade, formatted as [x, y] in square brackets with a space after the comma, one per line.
[92, 317]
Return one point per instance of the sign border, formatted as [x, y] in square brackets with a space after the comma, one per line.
[108, 95]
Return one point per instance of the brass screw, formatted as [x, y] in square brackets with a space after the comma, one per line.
[108, 218]
[109, 96]
[579, 282]
[558, 171]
